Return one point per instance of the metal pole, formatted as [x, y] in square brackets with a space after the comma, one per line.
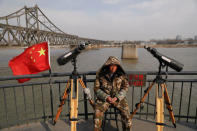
[85, 100]
[51, 94]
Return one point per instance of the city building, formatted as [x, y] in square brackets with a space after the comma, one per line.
[195, 37]
[178, 37]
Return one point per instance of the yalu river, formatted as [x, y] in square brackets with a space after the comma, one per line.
[90, 60]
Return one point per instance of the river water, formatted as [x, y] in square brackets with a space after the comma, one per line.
[91, 60]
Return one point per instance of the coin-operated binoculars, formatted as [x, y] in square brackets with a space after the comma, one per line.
[161, 89]
[72, 86]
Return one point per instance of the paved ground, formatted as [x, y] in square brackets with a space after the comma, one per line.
[138, 125]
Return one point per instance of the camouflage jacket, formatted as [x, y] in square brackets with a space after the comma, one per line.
[115, 86]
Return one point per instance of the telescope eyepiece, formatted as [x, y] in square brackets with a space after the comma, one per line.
[81, 46]
[145, 47]
[151, 50]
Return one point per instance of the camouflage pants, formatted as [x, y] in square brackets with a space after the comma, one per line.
[100, 109]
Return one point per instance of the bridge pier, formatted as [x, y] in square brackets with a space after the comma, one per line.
[129, 52]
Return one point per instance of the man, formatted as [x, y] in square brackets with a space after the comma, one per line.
[111, 86]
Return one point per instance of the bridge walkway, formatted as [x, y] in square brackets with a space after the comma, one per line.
[63, 125]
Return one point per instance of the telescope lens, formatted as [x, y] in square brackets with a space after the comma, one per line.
[177, 66]
[68, 56]
[165, 60]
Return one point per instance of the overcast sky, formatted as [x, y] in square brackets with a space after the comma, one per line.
[117, 19]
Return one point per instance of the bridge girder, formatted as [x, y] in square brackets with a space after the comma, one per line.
[34, 30]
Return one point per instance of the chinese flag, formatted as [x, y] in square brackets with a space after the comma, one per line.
[33, 60]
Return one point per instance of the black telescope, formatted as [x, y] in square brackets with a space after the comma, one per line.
[66, 57]
[177, 66]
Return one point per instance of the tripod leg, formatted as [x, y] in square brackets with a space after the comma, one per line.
[159, 109]
[74, 106]
[62, 102]
[83, 85]
[168, 105]
[142, 100]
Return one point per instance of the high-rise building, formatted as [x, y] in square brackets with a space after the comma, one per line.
[178, 37]
[195, 37]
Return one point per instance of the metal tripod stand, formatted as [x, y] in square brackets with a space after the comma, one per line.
[161, 95]
[72, 88]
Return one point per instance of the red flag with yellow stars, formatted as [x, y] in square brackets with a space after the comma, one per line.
[33, 60]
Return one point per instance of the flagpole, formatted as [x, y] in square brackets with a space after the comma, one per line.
[50, 81]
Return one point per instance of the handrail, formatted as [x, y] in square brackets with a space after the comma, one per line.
[88, 80]
[3, 78]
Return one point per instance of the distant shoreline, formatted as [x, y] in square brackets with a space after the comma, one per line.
[115, 46]
[171, 46]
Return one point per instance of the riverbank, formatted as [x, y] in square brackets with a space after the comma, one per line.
[171, 46]
[113, 46]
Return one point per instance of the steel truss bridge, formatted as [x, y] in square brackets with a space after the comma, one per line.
[28, 26]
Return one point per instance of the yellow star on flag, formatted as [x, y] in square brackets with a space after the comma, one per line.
[42, 52]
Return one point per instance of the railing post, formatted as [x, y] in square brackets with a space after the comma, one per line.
[147, 104]
[43, 104]
[142, 103]
[172, 96]
[51, 94]
[196, 116]
[132, 98]
[51, 97]
[25, 106]
[180, 102]
[85, 100]
[5, 104]
[15, 104]
[32, 87]
[189, 101]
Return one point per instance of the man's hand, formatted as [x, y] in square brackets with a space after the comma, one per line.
[111, 100]
[114, 99]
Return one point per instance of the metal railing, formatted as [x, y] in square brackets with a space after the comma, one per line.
[39, 100]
